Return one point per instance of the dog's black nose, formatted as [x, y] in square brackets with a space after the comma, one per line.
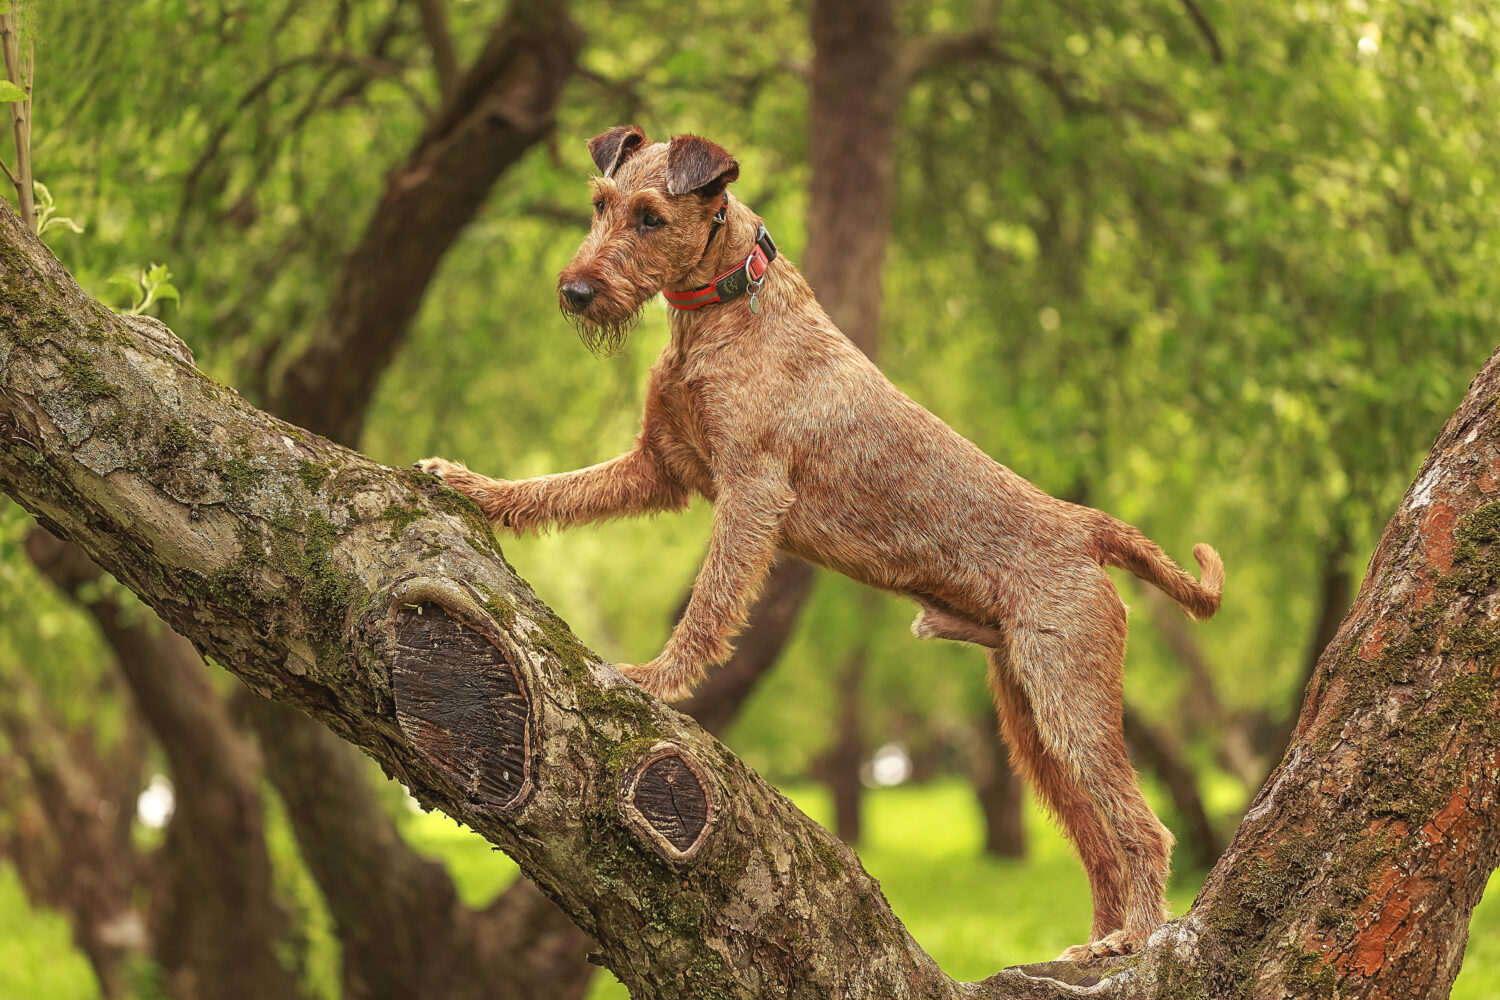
[578, 294]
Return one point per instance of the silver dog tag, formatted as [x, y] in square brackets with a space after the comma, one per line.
[754, 303]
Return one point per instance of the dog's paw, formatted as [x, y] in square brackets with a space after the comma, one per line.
[439, 467]
[1120, 942]
[664, 681]
[1077, 953]
[1112, 945]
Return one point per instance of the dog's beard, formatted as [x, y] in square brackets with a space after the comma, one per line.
[603, 339]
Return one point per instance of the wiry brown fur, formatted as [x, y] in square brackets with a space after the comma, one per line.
[802, 444]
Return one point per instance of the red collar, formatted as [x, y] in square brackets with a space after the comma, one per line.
[746, 276]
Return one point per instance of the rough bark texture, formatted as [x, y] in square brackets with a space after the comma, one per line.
[291, 559]
[498, 111]
[397, 930]
[1359, 863]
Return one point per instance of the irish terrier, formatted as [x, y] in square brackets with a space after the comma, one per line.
[761, 405]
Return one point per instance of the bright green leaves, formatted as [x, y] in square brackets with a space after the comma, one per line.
[143, 290]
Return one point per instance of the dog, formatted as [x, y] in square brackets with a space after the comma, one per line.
[760, 404]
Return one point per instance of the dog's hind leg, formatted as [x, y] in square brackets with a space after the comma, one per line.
[1071, 683]
[1063, 797]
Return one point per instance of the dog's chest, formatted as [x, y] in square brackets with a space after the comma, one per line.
[686, 434]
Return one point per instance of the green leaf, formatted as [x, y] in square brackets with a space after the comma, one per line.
[59, 222]
[129, 286]
[166, 291]
[10, 93]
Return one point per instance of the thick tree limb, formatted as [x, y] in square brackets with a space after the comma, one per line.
[375, 600]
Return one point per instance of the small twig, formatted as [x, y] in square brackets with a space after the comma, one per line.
[444, 59]
[1206, 29]
[19, 73]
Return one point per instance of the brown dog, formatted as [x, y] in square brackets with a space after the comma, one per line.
[761, 405]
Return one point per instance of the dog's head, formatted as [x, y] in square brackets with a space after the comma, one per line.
[654, 205]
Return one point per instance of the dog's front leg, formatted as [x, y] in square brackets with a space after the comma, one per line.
[634, 483]
[747, 522]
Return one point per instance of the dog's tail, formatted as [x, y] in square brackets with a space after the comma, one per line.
[1123, 545]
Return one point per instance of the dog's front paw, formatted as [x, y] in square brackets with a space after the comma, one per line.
[440, 467]
[667, 682]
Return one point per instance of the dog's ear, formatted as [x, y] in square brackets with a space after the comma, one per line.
[695, 164]
[612, 148]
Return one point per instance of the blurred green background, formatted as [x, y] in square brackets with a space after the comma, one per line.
[1221, 269]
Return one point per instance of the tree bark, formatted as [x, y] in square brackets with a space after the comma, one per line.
[302, 567]
[503, 106]
[397, 930]
[406, 933]
[377, 601]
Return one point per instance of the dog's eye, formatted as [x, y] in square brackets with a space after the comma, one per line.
[599, 206]
[650, 220]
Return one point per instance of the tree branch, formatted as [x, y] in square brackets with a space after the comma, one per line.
[1206, 29]
[502, 105]
[444, 58]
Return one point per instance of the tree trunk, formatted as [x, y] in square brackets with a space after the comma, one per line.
[69, 830]
[502, 106]
[845, 256]
[214, 920]
[1201, 709]
[1000, 791]
[856, 92]
[1156, 750]
[843, 760]
[377, 601]
[1333, 602]
[719, 698]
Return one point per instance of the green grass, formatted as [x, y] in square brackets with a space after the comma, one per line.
[974, 914]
